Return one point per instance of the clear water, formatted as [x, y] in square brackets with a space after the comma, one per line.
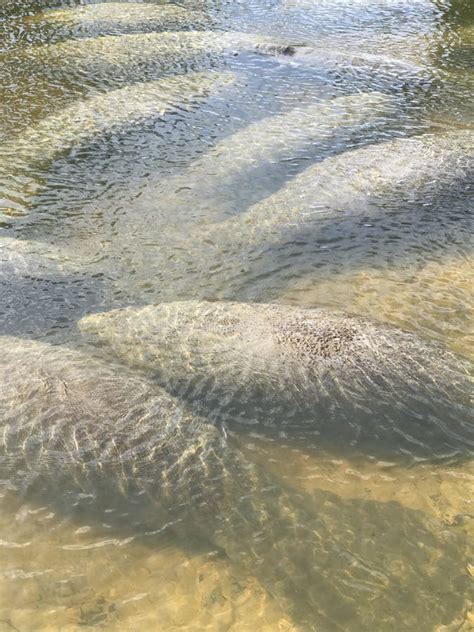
[118, 187]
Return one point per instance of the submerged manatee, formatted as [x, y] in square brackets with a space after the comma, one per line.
[115, 18]
[434, 299]
[41, 288]
[243, 167]
[238, 170]
[95, 442]
[104, 114]
[391, 201]
[94, 20]
[363, 181]
[25, 258]
[122, 58]
[360, 387]
[74, 68]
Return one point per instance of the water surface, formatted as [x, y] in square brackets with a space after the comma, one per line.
[141, 145]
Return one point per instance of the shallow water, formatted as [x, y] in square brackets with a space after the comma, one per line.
[128, 178]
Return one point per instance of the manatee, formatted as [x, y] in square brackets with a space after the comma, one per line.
[356, 62]
[49, 76]
[366, 11]
[380, 202]
[104, 114]
[243, 166]
[353, 25]
[42, 288]
[434, 299]
[100, 444]
[238, 170]
[119, 58]
[356, 44]
[362, 181]
[24, 258]
[94, 20]
[116, 18]
[354, 385]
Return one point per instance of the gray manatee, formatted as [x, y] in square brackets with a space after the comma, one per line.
[103, 114]
[361, 19]
[240, 169]
[393, 201]
[361, 181]
[243, 167]
[100, 444]
[25, 258]
[115, 18]
[79, 67]
[355, 386]
[41, 288]
[119, 58]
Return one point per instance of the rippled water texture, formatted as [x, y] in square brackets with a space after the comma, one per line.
[236, 298]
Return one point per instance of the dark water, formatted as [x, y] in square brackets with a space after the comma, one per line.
[314, 153]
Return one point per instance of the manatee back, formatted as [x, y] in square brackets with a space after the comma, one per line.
[87, 435]
[353, 384]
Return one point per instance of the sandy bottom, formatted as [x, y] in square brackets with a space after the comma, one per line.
[56, 576]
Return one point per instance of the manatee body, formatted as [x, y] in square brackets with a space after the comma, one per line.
[25, 258]
[95, 20]
[41, 289]
[104, 114]
[116, 18]
[329, 204]
[430, 298]
[390, 202]
[102, 445]
[360, 19]
[120, 58]
[238, 170]
[356, 65]
[362, 181]
[113, 111]
[356, 386]
[243, 167]
[79, 67]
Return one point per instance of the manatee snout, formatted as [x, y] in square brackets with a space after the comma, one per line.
[285, 50]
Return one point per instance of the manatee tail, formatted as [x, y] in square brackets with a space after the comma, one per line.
[330, 563]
